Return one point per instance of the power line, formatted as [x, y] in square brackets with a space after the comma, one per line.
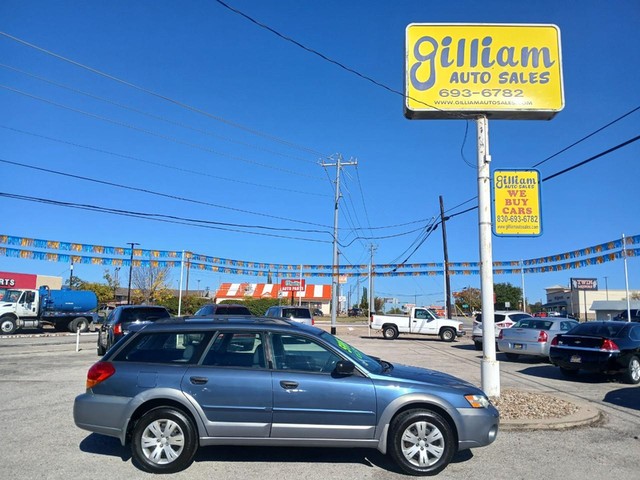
[154, 134]
[163, 97]
[151, 115]
[158, 164]
[151, 192]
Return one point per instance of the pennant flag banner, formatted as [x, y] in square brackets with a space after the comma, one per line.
[108, 256]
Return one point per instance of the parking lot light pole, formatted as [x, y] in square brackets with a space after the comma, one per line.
[132, 244]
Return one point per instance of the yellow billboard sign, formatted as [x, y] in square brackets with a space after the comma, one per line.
[507, 71]
[516, 203]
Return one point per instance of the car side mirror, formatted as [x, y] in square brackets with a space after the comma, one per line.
[344, 367]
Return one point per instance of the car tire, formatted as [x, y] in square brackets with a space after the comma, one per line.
[164, 440]
[512, 356]
[390, 332]
[632, 374]
[569, 372]
[101, 350]
[478, 345]
[447, 334]
[421, 442]
[8, 325]
[80, 323]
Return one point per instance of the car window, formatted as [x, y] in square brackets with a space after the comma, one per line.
[599, 329]
[296, 313]
[236, 349]
[566, 326]
[499, 318]
[164, 347]
[232, 310]
[206, 310]
[519, 316]
[293, 352]
[634, 334]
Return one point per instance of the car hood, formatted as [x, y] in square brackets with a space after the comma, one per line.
[426, 376]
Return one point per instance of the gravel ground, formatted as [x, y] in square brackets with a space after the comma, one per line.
[521, 405]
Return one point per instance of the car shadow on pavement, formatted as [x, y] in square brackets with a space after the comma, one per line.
[551, 371]
[361, 456]
[624, 397]
[103, 445]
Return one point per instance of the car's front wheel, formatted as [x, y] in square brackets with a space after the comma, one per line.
[164, 440]
[632, 374]
[390, 332]
[448, 335]
[421, 442]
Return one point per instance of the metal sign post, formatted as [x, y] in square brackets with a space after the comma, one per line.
[490, 368]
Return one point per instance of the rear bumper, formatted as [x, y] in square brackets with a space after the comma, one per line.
[536, 349]
[594, 361]
[101, 414]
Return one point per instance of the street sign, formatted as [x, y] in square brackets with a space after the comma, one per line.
[504, 71]
[516, 203]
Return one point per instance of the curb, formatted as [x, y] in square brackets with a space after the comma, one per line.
[584, 417]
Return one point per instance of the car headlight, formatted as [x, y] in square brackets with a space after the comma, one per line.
[477, 401]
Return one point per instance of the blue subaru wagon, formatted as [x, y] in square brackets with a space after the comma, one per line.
[178, 385]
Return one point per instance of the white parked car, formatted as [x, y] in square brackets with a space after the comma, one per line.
[503, 319]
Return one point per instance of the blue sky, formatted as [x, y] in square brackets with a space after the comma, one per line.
[268, 112]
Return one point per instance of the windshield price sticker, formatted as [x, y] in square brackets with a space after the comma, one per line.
[516, 203]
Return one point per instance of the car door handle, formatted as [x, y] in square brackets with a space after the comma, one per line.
[199, 380]
[288, 385]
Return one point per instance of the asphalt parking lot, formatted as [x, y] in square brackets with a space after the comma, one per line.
[41, 375]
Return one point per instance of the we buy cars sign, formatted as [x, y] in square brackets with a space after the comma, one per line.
[292, 285]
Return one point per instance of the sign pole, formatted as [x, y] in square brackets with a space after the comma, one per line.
[490, 369]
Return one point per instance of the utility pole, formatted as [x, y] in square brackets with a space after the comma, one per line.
[71, 276]
[447, 280]
[372, 297]
[334, 280]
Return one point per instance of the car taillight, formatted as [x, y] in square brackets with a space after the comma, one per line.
[554, 342]
[99, 372]
[609, 345]
[313, 321]
[117, 329]
[543, 336]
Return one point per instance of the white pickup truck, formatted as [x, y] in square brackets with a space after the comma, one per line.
[421, 320]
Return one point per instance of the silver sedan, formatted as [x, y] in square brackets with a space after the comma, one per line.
[532, 336]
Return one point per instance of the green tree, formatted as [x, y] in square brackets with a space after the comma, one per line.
[507, 293]
[150, 284]
[471, 297]
[364, 301]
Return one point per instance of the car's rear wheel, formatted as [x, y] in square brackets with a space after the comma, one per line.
[447, 334]
[79, 323]
[164, 440]
[421, 442]
[390, 332]
[478, 345]
[632, 374]
[569, 372]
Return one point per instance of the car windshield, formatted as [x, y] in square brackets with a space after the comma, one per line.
[296, 313]
[362, 359]
[535, 324]
[599, 329]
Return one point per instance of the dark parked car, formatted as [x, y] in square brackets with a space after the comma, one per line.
[624, 315]
[317, 312]
[175, 386]
[608, 347]
[125, 319]
[355, 312]
[222, 309]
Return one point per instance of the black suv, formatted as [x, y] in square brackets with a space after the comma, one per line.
[222, 309]
[125, 319]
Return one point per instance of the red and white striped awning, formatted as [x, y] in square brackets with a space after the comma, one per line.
[238, 291]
